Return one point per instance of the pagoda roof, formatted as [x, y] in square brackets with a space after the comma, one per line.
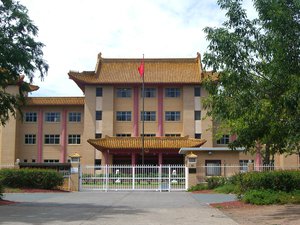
[149, 142]
[55, 101]
[125, 71]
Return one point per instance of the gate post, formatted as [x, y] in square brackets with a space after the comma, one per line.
[75, 172]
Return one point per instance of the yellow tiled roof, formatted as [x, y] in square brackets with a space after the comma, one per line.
[120, 71]
[55, 101]
[149, 142]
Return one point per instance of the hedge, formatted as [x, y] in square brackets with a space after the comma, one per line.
[281, 180]
[31, 178]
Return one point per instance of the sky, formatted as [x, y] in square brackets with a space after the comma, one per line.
[75, 31]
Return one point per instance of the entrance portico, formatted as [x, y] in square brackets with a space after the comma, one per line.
[157, 150]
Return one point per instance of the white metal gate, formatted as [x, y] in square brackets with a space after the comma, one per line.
[137, 178]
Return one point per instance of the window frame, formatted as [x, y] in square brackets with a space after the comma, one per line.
[214, 169]
[172, 116]
[150, 92]
[172, 135]
[76, 115]
[224, 140]
[31, 118]
[172, 92]
[52, 139]
[197, 115]
[28, 138]
[197, 91]
[98, 115]
[123, 92]
[148, 135]
[149, 116]
[123, 116]
[198, 134]
[74, 138]
[99, 92]
[123, 135]
[53, 116]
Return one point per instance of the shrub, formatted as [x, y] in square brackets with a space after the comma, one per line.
[198, 187]
[213, 182]
[1, 189]
[226, 189]
[31, 178]
[286, 181]
[268, 197]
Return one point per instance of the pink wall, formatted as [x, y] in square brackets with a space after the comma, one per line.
[40, 136]
[135, 112]
[63, 136]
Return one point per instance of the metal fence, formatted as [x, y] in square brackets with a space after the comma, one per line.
[204, 171]
[137, 178]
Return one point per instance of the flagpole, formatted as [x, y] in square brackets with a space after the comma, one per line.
[143, 117]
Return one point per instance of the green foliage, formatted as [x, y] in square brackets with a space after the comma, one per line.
[199, 187]
[257, 95]
[286, 181]
[20, 54]
[213, 182]
[1, 188]
[268, 197]
[226, 189]
[31, 178]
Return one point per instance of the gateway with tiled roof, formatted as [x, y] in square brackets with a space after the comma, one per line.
[149, 142]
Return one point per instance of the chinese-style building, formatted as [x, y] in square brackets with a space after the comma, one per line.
[105, 126]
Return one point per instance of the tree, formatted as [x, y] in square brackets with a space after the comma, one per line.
[257, 95]
[19, 54]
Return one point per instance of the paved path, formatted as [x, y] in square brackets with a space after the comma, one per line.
[126, 208]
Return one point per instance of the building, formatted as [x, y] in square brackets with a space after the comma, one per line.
[105, 126]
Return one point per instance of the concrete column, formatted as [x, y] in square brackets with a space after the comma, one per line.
[133, 159]
[160, 158]
[160, 109]
[135, 112]
[40, 136]
[63, 137]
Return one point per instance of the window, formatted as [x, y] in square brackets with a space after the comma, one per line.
[123, 135]
[74, 117]
[98, 92]
[244, 165]
[124, 116]
[123, 92]
[172, 135]
[74, 139]
[198, 135]
[25, 160]
[213, 167]
[52, 139]
[52, 117]
[51, 160]
[172, 92]
[98, 115]
[148, 135]
[98, 163]
[98, 135]
[197, 91]
[197, 115]
[30, 117]
[224, 140]
[149, 92]
[30, 139]
[148, 116]
[173, 116]
[33, 160]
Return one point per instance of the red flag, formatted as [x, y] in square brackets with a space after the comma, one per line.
[141, 68]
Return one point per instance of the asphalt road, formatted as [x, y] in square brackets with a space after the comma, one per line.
[126, 208]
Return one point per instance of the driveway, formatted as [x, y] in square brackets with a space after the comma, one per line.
[126, 208]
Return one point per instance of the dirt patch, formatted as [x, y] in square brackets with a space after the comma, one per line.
[247, 214]
[5, 202]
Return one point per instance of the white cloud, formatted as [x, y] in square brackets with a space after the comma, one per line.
[75, 31]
